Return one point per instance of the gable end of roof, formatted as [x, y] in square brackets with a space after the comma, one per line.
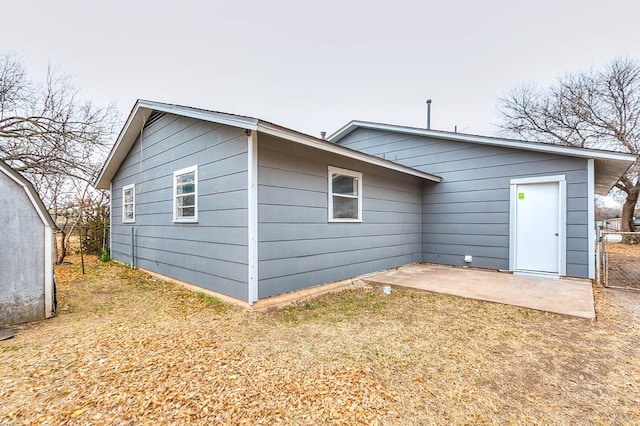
[144, 110]
[33, 196]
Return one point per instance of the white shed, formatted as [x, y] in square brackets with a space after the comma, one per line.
[27, 287]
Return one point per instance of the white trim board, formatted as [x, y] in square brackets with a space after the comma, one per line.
[591, 217]
[252, 225]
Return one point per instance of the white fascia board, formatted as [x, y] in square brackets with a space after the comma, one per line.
[509, 143]
[344, 130]
[199, 114]
[327, 146]
[122, 145]
[138, 116]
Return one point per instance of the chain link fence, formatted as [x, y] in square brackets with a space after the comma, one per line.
[619, 259]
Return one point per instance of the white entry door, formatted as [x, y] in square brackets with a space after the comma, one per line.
[537, 227]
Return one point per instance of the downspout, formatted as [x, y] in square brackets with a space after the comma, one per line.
[133, 252]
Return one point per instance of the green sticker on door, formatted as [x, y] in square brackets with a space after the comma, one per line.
[521, 195]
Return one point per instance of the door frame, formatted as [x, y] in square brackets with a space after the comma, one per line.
[562, 219]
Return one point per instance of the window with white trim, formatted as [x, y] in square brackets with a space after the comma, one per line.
[345, 195]
[185, 195]
[129, 203]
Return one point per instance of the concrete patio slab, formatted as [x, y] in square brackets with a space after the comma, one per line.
[563, 296]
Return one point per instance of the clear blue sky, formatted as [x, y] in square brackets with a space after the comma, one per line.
[314, 66]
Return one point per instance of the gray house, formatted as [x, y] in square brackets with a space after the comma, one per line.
[511, 205]
[249, 209]
[26, 259]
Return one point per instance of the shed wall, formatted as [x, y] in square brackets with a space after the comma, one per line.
[299, 248]
[212, 253]
[22, 261]
[468, 212]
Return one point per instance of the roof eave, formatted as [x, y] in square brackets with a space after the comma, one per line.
[143, 109]
[303, 139]
[344, 131]
[136, 120]
[607, 174]
[137, 117]
[609, 165]
[485, 140]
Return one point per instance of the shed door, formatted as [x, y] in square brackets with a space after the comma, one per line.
[537, 227]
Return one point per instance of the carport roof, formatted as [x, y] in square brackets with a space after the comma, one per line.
[609, 165]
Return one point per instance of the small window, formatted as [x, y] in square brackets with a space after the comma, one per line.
[129, 203]
[185, 193]
[345, 195]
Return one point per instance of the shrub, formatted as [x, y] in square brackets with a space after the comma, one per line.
[104, 255]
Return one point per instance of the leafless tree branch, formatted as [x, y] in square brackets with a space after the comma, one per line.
[50, 135]
[595, 109]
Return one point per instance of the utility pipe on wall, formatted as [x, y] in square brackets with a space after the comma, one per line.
[133, 258]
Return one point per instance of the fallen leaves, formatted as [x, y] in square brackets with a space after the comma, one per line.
[157, 353]
[623, 265]
[77, 413]
[131, 349]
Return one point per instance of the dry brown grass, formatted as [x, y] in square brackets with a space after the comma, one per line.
[623, 267]
[126, 349]
[626, 249]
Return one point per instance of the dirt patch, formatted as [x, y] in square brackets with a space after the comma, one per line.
[129, 349]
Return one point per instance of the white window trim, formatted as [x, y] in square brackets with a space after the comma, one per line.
[124, 203]
[177, 173]
[345, 172]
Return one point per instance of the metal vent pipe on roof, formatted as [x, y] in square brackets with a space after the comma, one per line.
[323, 135]
[428, 114]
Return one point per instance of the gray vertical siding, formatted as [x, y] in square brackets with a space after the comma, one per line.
[468, 212]
[211, 253]
[22, 260]
[299, 248]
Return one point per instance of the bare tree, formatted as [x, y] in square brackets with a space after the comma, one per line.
[595, 109]
[50, 135]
